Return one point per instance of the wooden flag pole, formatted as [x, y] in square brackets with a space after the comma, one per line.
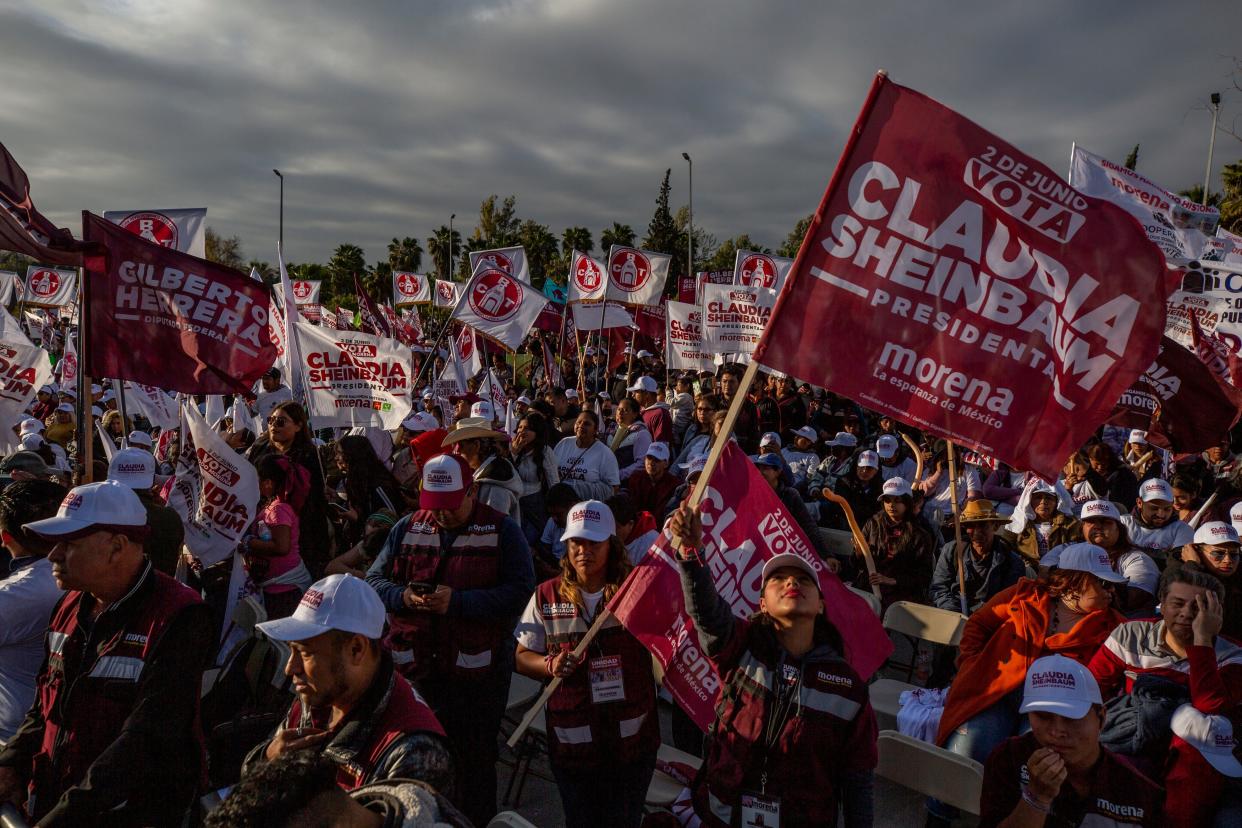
[918, 456]
[629, 368]
[958, 552]
[863, 546]
[692, 502]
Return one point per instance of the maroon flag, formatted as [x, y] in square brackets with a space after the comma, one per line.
[370, 319]
[1180, 399]
[551, 368]
[171, 320]
[23, 229]
[549, 319]
[956, 284]
[344, 319]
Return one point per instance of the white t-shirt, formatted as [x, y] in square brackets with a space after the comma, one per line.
[265, 401]
[530, 632]
[591, 471]
[1174, 533]
[26, 600]
[1139, 569]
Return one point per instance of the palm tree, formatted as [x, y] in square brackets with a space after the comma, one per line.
[442, 250]
[621, 234]
[405, 254]
[576, 238]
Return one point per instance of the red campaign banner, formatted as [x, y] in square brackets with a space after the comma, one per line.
[744, 524]
[962, 287]
[688, 289]
[549, 319]
[650, 320]
[168, 319]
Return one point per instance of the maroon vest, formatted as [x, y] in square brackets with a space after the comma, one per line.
[425, 644]
[580, 731]
[404, 713]
[86, 696]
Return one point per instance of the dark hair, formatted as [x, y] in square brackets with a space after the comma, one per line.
[1068, 582]
[590, 412]
[622, 506]
[542, 429]
[24, 502]
[1102, 453]
[1186, 482]
[562, 494]
[365, 472]
[274, 793]
[1187, 575]
[294, 411]
[630, 404]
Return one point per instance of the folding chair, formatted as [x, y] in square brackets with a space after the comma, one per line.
[510, 819]
[527, 749]
[932, 771]
[869, 597]
[916, 623]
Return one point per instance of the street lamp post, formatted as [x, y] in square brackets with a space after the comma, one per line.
[281, 235]
[690, 233]
[452, 247]
[1207, 174]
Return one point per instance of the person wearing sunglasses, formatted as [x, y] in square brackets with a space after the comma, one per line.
[1216, 550]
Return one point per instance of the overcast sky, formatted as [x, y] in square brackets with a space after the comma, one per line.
[387, 117]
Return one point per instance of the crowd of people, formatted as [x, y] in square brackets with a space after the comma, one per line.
[404, 577]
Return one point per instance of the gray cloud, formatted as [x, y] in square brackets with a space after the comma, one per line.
[386, 117]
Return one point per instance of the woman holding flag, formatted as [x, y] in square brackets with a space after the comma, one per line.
[603, 729]
[794, 742]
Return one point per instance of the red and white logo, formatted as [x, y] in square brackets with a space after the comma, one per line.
[156, 228]
[69, 365]
[758, 271]
[301, 290]
[465, 344]
[587, 275]
[631, 271]
[447, 292]
[407, 284]
[495, 295]
[499, 261]
[44, 283]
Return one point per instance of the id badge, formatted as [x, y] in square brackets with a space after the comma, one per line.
[607, 682]
[760, 811]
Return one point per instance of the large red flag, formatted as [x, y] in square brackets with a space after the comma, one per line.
[957, 284]
[23, 229]
[744, 524]
[168, 319]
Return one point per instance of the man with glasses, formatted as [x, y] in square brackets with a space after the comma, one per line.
[113, 735]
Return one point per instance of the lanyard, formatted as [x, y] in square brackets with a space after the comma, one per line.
[786, 687]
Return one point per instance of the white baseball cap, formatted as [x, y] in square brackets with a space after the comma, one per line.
[139, 438]
[789, 559]
[91, 508]
[484, 410]
[132, 467]
[1056, 684]
[642, 354]
[1137, 436]
[771, 438]
[644, 383]
[337, 602]
[1041, 487]
[108, 396]
[1093, 509]
[69, 392]
[1155, 489]
[696, 465]
[1215, 533]
[844, 440]
[96, 388]
[896, 487]
[65, 407]
[30, 426]
[96, 411]
[1235, 514]
[604, 395]
[868, 459]
[571, 393]
[1211, 735]
[1087, 557]
[523, 399]
[886, 447]
[590, 519]
[446, 478]
[807, 432]
[658, 451]
[420, 421]
[31, 442]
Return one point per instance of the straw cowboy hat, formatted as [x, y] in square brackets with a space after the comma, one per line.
[981, 511]
[472, 428]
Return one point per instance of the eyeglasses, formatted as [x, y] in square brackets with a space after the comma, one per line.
[1218, 555]
[278, 421]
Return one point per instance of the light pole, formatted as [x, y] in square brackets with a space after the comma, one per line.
[690, 234]
[281, 236]
[1207, 174]
[452, 247]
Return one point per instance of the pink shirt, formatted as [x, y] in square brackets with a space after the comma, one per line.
[278, 513]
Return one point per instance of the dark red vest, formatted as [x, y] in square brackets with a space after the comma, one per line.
[86, 695]
[424, 644]
[580, 732]
[404, 713]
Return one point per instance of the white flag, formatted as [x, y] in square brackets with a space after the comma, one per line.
[600, 316]
[467, 354]
[500, 306]
[636, 277]
[446, 294]
[683, 338]
[588, 280]
[353, 378]
[511, 260]
[751, 269]
[1178, 226]
[410, 288]
[24, 369]
[214, 410]
[11, 329]
[306, 291]
[10, 287]
[242, 418]
[216, 491]
[109, 447]
[50, 287]
[68, 365]
[493, 391]
[293, 360]
[158, 406]
[183, 230]
[451, 382]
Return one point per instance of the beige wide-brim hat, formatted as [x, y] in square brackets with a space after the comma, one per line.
[981, 511]
[472, 428]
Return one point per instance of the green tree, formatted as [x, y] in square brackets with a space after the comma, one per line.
[498, 222]
[726, 255]
[794, 240]
[441, 249]
[265, 270]
[1195, 194]
[405, 254]
[620, 234]
[576, 238]
[705, 243]
[224, 250]
[662, 235]
[1132, 158]
[346, 260]
[1231, 201]
[541, 251]
[378, 281]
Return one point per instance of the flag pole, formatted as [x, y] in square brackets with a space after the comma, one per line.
[86, 442]
[957, 526]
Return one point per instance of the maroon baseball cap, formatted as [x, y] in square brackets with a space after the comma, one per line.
[446, 479]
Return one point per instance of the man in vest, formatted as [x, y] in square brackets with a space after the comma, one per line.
[455, 576]
[113, 735]
[351, 703]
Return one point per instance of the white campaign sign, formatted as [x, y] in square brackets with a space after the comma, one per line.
[216, 491]
[1213, 295]
[410, 288]
[500, 306]
[734, 317]
[50, 287]
[599, 316]
[636, 277]
[511, 260]
[157, 405]
[183, 230]
[752, 269]
[24, 369]
[683, 338]
[1178, 226]
[353, 378]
